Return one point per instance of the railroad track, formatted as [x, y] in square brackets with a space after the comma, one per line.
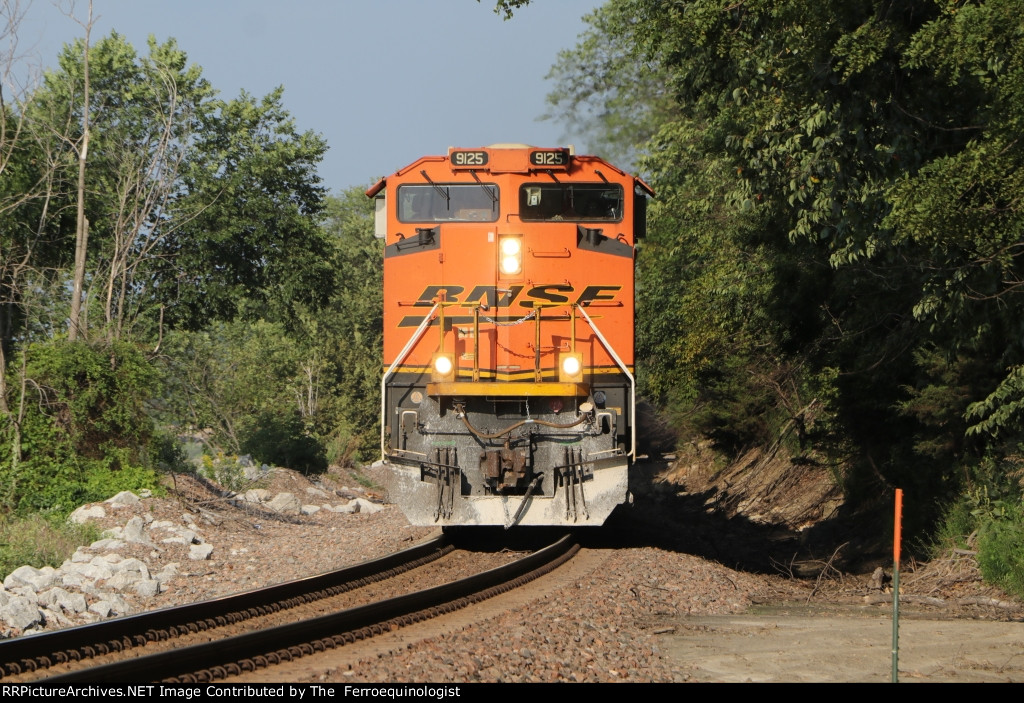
[80, 654]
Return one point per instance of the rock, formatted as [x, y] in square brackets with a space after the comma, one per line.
[365, 506]
[35, 579]
[122, 499]
[878, 579]
[182, 536]
[135, 531]
[19, 611]
[310, 509]
[101, 608]
[285, 503]
[85, 513]
[147, 588]
[258, 495]
[168, 572]
[110, 604]
[200, 552]
[65, 600]
[102, 545]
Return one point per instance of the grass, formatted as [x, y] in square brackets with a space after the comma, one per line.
[38, 541]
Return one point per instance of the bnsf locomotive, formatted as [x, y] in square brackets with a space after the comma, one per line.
[508, 395]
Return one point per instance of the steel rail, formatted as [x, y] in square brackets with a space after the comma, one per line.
[34, 652]
[235, 655]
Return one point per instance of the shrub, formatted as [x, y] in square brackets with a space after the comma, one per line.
[38, 540]
[280, 438]
[85, 434]
[1001, 550]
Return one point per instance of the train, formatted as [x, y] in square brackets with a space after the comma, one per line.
[508, 394]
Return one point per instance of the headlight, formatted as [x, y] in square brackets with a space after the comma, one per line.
[570, 368]
[510, 255]
[571, 365]
[443, 367]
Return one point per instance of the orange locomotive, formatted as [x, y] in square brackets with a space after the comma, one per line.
[508, 396]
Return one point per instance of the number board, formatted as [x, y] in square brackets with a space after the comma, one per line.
[550, 158]
[468, 159]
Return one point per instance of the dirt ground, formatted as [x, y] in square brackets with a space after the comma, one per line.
[837, 645]
[764, 514]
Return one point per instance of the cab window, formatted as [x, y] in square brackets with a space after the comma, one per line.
[577, 202]
[448, 203]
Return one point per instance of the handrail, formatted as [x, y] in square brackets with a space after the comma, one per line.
[399, 359]
[632, 381]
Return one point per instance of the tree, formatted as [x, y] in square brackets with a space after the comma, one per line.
[248, 239]
[838, 218]
[607, 89]
[194, 203]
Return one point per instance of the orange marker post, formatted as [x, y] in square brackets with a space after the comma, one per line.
[897, 538]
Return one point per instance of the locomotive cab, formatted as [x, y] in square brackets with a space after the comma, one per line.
[508, 395]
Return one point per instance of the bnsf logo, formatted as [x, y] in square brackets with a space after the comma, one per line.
[505, 297]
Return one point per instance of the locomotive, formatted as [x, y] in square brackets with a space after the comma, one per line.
[508, 395]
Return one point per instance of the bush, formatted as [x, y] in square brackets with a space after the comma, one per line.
[281, 439]
[1001, 550]
[85, 434]
[40, 541]
[999, 526]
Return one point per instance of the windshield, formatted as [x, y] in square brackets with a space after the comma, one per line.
[587, 202]
[448, 203]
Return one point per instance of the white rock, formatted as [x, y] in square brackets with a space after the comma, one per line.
[148, 588]
[310, 509]
[365, 506]
[200, 552]
[122, 499]
[55, 618]
[106, 544]
[101, 608]
[36, 579]
[65, 600]
[133, 566]
[85, 513]
[285, 503]
[18, 611]
[168, 572]
[80, 556]
[135, 531]
[110, 603]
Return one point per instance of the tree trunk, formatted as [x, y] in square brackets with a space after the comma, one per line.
[82, 224]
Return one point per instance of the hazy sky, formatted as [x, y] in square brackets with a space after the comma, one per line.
[384, 81]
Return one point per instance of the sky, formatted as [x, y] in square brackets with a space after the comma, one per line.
[384, 81]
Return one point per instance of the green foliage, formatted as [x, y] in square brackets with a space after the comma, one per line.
[989, 518]
[313, 381]
[1001, 550]
[38, 540]
[85, 431]
[838, 222]
[248, 239]
[607, 90]
[280, 439]
[195, 203]
[224, 469]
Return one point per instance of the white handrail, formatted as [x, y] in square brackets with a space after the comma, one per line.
[399, 359]
[632, 382]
